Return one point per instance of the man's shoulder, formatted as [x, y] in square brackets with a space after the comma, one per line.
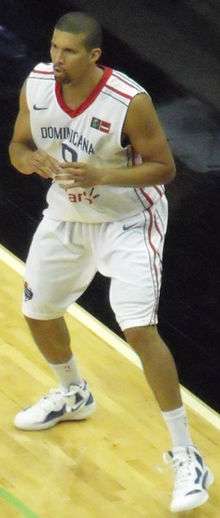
[124, 83]
[39, 83]
[42, 71]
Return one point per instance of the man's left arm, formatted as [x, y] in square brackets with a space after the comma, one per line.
[147, 138]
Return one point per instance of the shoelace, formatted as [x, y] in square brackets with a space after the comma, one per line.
[48, 400]
[181, 463]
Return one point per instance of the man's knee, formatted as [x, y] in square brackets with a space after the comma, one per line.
[35, 323]
[137, 336]
[29, 320]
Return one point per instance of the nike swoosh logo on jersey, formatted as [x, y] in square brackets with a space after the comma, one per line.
[135, 225]
[39, 107]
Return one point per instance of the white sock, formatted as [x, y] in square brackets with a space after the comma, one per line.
[177, 424]
[67, 373]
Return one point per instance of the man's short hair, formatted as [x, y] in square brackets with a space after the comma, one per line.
[78, 22]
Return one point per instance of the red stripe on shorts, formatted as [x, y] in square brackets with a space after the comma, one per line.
[147, 197]
[156, 253]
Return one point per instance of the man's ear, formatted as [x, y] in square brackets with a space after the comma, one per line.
[95, 55]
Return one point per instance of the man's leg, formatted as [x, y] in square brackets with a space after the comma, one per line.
[58, 270]
[72, 400]
[53, 340]
[135, 271]
[192, 476]
[161, 374]
[158, 365]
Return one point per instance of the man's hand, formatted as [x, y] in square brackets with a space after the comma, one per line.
[22, 150]
[44, 165]
[78, 174]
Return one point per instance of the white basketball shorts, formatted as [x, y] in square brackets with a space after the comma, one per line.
[64, 257]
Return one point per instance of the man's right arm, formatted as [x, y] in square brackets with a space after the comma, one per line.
[24, 155]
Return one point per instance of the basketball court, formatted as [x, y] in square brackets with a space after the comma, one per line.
[109, 465]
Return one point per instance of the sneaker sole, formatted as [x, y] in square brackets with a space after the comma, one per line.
[78, 415]
[204, 495]
[184, 508]
[210, 478]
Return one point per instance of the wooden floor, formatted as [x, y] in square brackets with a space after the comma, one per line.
[108, 466]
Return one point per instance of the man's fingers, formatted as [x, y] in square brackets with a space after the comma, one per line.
[42, 170]
[45, 168]
[75, 165]
[69, 172]
[54, 165]
[60, 177]
[42, 160]
[62, 172]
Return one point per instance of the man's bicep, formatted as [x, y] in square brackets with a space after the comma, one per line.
[22, 128]
[145, 132]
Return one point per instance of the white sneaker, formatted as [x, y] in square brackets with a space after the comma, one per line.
[57, 405]
[192, 478]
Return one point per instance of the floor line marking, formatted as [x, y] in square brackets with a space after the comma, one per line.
[18, 504]
[80, 314]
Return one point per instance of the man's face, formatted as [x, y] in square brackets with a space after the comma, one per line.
[69, 56]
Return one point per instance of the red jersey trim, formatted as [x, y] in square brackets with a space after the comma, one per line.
[41, 72]
[119, 92]
[138, 88]
[88, 101]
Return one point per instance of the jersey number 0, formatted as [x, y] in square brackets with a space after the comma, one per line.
[69, 154]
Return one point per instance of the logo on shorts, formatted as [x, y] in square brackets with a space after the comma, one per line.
[28, 293]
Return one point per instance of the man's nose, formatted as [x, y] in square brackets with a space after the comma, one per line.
[59, 56]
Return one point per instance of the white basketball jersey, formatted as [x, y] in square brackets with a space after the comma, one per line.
[92, 132]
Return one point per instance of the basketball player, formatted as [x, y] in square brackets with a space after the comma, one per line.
[95, 132]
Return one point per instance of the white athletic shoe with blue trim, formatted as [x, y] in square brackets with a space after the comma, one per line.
[192, 478]
[58, 405]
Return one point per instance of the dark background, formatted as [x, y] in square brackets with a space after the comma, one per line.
[171, 48]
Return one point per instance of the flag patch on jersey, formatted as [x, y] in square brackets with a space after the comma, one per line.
[100, 125]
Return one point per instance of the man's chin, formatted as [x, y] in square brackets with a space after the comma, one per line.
[59, 74]
[61, 79]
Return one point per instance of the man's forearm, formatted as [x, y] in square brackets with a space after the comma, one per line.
[146, 174]
[20, 156]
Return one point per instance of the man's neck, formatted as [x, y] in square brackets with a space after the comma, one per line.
[75, 94]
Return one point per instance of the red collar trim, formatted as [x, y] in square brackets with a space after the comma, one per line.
[89, 100]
